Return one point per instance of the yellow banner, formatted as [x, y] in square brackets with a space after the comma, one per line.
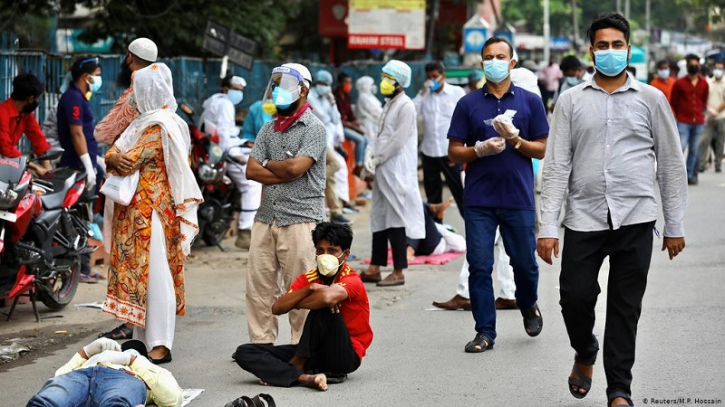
[399, 5]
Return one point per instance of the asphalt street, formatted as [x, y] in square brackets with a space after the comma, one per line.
[417, 357]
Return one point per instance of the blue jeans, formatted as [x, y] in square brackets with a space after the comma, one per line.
[518, 234]
[91, 387]
[360, 144]
[690, 136]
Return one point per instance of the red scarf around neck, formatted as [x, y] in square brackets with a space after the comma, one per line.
[284, 122]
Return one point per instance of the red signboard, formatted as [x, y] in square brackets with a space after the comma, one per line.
[332, 18]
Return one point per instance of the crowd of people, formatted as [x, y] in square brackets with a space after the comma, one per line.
[604, 138]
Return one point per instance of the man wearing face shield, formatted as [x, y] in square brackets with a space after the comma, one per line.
[337, 330]
[497, 130]
[288, 159]
[323, 106]
[219, 113]
[397, 209]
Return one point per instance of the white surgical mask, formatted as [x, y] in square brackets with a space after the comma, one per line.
[327, 264]
[717, 73]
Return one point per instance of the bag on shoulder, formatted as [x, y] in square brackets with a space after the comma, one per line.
[121, 189]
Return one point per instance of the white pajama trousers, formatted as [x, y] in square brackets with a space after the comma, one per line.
[504, 273]
[160, 295]
[251, 191]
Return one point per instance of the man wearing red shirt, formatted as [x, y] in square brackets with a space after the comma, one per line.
[17, 118]
[689, 102]
[337, 330]
[663, 80]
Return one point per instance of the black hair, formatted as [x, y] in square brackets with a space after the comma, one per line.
[341, 77]
[608, 20]
[227, 81]
[26, 85]
[690, 57]
[337, 234]
[662, 62]
[632, 70]
[84, 65]
[570, 63]
[495, 40]
[435, 66]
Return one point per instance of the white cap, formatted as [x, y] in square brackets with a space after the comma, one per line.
[144, 48]
[398, 70]
[238, 80]
[303, 71]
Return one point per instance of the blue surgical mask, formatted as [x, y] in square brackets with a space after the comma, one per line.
[282, 98]
[322, 90]
[496, 70]
[610, 62]
[435, 85]
[572, 80]
[663, 73]
[96, 85]
[235, 96]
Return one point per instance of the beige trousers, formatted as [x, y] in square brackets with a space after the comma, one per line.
[276, 253]
[331, 198]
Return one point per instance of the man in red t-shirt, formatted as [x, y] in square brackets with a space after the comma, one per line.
[17, 118]
[337, 330]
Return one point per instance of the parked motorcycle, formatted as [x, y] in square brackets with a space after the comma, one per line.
[209, 163]
[43, 232]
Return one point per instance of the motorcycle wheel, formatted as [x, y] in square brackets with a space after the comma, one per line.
[58, 292]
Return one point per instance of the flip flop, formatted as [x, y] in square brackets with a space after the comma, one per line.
[390, 282]
[98, 276]
[582, 381]
[483, 342]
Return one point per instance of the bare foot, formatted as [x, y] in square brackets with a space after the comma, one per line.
[619, 401]
[263, 383]
[158, 352]
[439, 208]
[317, 381]
[588, 370]
[411, 254]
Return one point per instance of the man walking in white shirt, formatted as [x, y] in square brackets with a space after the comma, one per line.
[435, 103]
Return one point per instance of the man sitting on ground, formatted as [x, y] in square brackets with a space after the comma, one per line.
[110, 374]
[337, 330]
[438, 239]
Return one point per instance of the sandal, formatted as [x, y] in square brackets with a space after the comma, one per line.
[98, 276]
[255, 401]
[119, 332]
[483, 342]
[617, 394]
[581, 381]
[533, 322]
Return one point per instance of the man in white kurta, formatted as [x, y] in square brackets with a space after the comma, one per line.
[219, 114]
[397, 208]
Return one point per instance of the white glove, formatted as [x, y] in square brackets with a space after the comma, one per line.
[426, 87]
[100, 345]
[371, 163]
[113, 357]
[88, 165]
[504, 126]
[491, 146]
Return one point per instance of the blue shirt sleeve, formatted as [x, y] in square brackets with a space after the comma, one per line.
[459, 129]
[538, 125]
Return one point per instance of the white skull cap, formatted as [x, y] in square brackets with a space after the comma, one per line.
[303, 71]
[238, 80]
[144, 48]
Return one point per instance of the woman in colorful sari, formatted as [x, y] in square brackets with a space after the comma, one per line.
[153, 234]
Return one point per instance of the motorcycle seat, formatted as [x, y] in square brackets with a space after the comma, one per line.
[62, 180]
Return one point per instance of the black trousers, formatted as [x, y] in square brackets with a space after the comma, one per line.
[425, 246]
[398, 242]
[630, 251]
[432, 169]
[325, 344]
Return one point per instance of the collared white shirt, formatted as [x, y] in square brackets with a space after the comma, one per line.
[437, 110]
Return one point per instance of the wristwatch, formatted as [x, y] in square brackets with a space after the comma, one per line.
[518, 144]
[265, 162]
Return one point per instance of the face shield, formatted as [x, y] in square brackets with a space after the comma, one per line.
[283, 89]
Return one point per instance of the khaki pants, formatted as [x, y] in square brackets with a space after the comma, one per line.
[276, 251]
[331, 198]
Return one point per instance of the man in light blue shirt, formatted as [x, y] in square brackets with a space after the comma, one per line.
[611, 139]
